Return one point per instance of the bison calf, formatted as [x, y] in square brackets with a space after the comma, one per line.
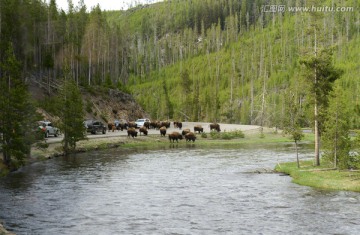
[175, 136]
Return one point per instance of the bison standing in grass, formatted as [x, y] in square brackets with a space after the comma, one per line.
[215, 126]
[198, 128]
[175, 136]
[190, 137]
[163, 131]
[143, 130]
[132, 132]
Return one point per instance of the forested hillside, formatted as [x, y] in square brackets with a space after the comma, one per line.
[241, 71]
[210, 60]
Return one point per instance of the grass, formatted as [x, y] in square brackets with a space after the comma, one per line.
[322, 177]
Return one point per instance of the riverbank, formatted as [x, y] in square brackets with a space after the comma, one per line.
[321, 177]
[229, 138]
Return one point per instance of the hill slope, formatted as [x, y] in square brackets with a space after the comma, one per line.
[246, 80]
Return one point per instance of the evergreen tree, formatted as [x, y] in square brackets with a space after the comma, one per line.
[336, 138]
[71, 113]
[16, 112]
[320, 75]
[292, 121]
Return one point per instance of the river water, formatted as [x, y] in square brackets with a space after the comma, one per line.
[180, 189]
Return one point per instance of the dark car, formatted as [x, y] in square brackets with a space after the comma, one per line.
[94, 126]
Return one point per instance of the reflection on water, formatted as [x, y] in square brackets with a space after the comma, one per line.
[175, 190]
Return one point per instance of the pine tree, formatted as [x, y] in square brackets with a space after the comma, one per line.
[336, 138]
[320, 75]
[71, 113]
[16, 112]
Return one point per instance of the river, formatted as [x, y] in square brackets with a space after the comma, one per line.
[180, 189]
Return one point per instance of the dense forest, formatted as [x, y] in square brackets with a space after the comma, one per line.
[211, 60]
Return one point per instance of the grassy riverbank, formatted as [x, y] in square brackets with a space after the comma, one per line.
[322, 177]
[156, 141]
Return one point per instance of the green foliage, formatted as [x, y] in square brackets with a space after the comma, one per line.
[71, 113]
[48, 104]
[108, 82]
[89, 106]
[17, 113]
[336, 138]
[354, 161]
[227, 135]
[222, 60]
[168, 105]
[203, 135]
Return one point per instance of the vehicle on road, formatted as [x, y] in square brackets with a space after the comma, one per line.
[140, 122]
[48, 129]
[95, 126]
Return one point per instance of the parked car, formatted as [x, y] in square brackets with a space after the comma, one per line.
[94, 126]
[48, 129]
[140, 122]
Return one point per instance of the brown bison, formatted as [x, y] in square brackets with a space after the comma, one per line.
[198, 128]
[175, 136]
[147, 124]
[132, 125]
[154, 124]
[178, 125]
[215, 126]
[132, 132]
[163, 131]
[185, 131]
[111, 126]
[190, 137]
[144, 130]
[165, 124]
[122, 126]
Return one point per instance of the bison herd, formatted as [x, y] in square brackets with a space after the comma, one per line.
[162, 126]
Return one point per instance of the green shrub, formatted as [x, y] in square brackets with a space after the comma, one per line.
[227, 135]
[354, 161]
